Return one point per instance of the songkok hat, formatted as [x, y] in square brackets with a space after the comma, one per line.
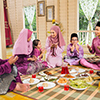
[98, 24]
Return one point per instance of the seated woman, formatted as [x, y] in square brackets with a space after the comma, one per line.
[95, 48]
[54, 46]
[74, 51]
[23, 49]
[9, 77]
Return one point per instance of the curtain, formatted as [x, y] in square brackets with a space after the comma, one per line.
[7, 28]
[29, 12]
[89, 8]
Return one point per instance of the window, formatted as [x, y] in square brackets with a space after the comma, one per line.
[30, 20]
[89, 14]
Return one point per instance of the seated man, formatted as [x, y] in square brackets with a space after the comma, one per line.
[9, 77]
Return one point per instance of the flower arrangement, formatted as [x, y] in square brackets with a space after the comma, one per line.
[54, 22]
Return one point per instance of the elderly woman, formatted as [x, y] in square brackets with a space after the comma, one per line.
[55, 46]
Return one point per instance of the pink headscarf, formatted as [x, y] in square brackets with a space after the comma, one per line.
[22, 46]
[58, 39]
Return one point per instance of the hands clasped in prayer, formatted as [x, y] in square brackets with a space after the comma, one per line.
[73, 47]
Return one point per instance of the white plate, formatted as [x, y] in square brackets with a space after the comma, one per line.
[73, 72]
[50, 85]
[62, 84]
[78, 88]
[68, 78]
[81, 70]
[50, 77]
[42, 73]
[83, 76]
[35, 81]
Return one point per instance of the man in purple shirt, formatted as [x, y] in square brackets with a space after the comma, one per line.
[95, 48]
[9, 77]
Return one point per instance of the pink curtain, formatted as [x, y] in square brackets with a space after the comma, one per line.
[7, 28]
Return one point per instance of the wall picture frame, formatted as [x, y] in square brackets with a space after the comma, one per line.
[41, 8]
[50, 10]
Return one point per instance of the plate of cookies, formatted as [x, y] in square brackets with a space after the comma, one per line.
[46, 85]
[31, 81]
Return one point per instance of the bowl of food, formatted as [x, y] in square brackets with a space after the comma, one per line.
[62, 81]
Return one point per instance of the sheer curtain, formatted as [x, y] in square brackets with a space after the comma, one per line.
[30, 12]
[89, 8]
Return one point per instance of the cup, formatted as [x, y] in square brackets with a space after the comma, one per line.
[91, 71]
[63, 70]
[66, 70]
[40, 88]
[33, 75]
[66, 87]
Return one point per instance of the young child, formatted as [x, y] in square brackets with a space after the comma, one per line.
[55, 46]
[74, 51]
[9, 77]
[38, 52]
[95, 48]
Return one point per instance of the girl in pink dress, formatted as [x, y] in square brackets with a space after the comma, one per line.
[95, 48]
[55, 46]
[38, 52]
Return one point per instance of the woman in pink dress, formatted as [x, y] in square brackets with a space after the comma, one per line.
[55, 46]
[95, 48]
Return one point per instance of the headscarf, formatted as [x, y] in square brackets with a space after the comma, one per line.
[22, 46]
[58, 38]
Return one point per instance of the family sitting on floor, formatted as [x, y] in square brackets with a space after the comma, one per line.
[27, 56]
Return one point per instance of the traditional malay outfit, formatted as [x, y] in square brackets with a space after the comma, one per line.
[8, 77]
[37, 52]
[74, 57]
[54, 55]
[23, 49]
[94, 64]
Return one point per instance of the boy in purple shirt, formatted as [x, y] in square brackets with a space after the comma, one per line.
[74, 51]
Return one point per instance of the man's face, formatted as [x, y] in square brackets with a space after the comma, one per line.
[97, 31]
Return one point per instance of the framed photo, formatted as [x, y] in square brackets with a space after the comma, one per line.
[41, 8]
[50, 13]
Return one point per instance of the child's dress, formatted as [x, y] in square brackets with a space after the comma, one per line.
[37, 52]
[74, 57]
[28, 67]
